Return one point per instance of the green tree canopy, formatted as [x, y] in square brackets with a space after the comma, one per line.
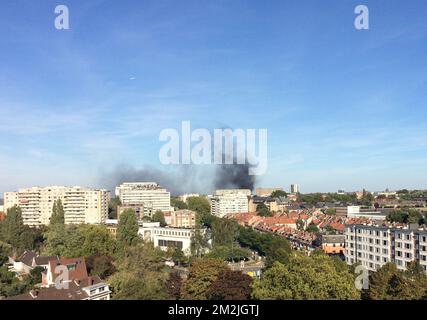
[58, 215]
[316, 277]
[127, 230]
[158, 216]
[230, 285]
[203, 272]
[262, 210]
[141, 274]
[278, 193]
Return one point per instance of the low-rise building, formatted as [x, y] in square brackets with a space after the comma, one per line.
[166, 237]
[181, 218]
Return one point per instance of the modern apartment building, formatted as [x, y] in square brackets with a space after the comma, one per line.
[374, 246]
[228, 201]
[81, 205]
[148, 194]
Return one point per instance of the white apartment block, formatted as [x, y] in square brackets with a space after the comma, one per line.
[165, 237]
[374, 246]
[81, 205]
[228, 201]
[148, 194]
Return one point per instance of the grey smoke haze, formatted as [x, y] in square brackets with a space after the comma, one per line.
[203, 179]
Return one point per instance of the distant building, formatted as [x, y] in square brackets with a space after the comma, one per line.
[149, 195]
[90, 288]
[28, 261]
[81, 205]
[333, 244]
[374, 246]
[181, 218]
[166, 237]
[294, 188]
[357, 212]
[230, 201]
[185, 197]
[266, 192]
[137, 208]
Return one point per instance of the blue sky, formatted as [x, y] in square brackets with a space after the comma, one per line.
[344, 108]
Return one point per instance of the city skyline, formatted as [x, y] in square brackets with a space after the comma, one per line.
[344, 108]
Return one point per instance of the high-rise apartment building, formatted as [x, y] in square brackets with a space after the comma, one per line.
[230, 201]
[80, 205]
[374, 246]
[148, 194]
[294, 188]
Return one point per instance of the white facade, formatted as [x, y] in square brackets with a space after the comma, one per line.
[374, 246]
[230, 201]
[81, 205]
[165, 237]
[355, 212]
[149, 194]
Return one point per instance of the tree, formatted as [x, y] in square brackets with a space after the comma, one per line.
[277, 250]
[262, 210]
[228, 253]
[300, 224]
[174, 285]
[199, 242]
[142, 274]
[278, 193]
[127, 230]
[112, 207]
[316, 277]
[202, 273]
[5, 252]
[230, 285]
[75, 241]
[101, 265]
[330, 211]
[178, 256]
[158, 216]
[13, 226]
[312, 228]
[397, 216]
[58, 215]
[390, 283]
[178, 204]
[224, 232]
[199, 204]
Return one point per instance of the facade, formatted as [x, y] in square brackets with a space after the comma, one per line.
[333, 244]
[294, 188]
[357, 212]
[266, 192]
[165, 237]
[147, 194]
[181, 219]
[374, 246]
[81, 205]
[230, 201]
[138, 208]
